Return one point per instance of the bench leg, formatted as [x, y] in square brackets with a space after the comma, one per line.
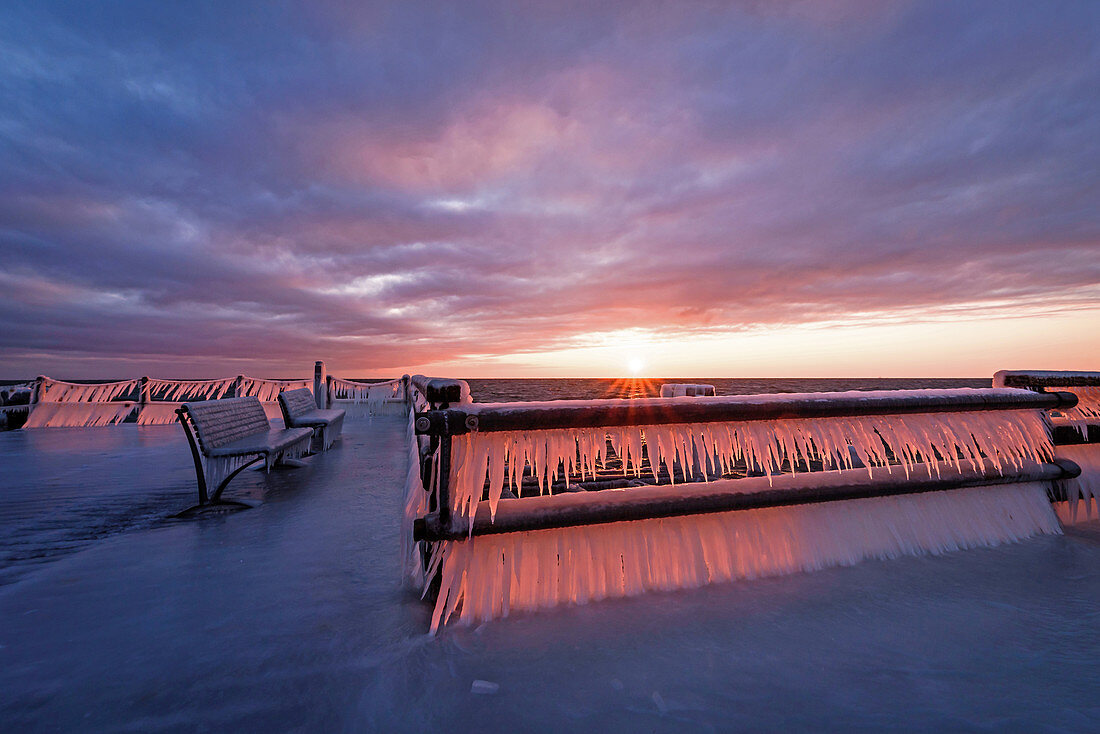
[216, 498]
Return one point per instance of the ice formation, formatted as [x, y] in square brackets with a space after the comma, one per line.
[416, 504]
[1083, 492]
[217, 468]
[374, 396]
[1087, 409]
[73, 404]
[487, 576]
[100, 404]
[268, 390]
[168, 395]
[972, 438]
[53, 415]
[183, 391]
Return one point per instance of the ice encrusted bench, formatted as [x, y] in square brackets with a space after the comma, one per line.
[300, 411]
[230, 434]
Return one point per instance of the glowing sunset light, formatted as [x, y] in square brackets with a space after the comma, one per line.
[786, 189]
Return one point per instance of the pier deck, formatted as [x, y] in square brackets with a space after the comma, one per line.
[291, 617]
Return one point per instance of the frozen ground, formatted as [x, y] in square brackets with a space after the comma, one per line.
[289, 617]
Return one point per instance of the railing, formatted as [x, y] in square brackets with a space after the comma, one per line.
[527, 505]
[14, 403]
[1076, 434]
[153, 401]
[492, 461]
[149, 401]
[1079, 424]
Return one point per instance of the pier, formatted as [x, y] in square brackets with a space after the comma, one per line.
[293, 616]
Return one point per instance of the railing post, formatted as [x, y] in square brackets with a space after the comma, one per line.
[330, 391]
[406, 393]
[443, 507]
[143, 396]
[238, 385]
[320, 385]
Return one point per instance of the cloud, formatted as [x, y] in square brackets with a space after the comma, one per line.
[389, 186]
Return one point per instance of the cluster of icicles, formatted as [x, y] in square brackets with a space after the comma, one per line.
[488, 576]
[373, 398]
[1082, 493]
[217, 468]
[105, 403]
[1002, 438]
[1087, 409]
[485, 576]
[71, 404]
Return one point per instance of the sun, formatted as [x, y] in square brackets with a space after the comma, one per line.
[635, 365]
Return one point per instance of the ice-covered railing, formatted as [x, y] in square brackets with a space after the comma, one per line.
[149, 401]
[373, 398]
[60, 403]
[424, 393]
[163, 397]
[1085, 385]
[15, 401]
[877, 444]
[1076, 435]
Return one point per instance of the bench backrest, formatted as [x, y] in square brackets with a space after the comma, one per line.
[296, 402]
[218, 422]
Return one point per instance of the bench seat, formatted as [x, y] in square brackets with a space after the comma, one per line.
[300, 409]
[272, 442]
[318, 417]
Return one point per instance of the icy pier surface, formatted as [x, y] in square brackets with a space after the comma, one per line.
[291, 616]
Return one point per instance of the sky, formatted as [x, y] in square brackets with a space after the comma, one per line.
[759, 188]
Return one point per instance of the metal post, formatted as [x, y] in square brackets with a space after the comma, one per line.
[444, 506]
[319, 384]
[143, 395]
[330, 391]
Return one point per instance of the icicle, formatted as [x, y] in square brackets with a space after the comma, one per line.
[488, 576]
[183, 391]
[1082, 493]
[416, 505]
[56, 415]
[157, 414]
[375, 396]
[1087, 410]
[1000, 438]
[56, 391]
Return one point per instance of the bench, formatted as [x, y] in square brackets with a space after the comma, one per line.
[228, 435]
[300, 411]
